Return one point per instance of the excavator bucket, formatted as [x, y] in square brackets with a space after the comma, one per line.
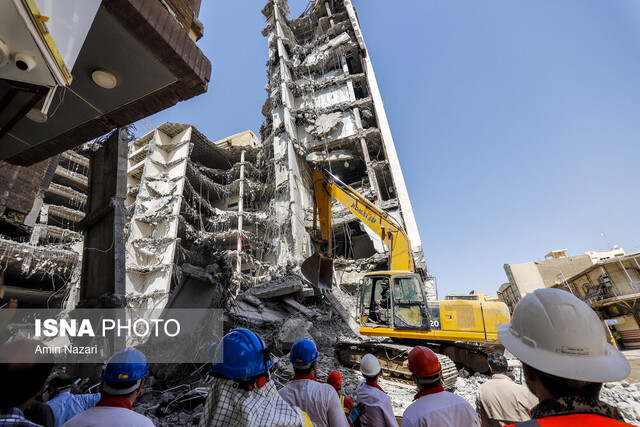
[318, 269]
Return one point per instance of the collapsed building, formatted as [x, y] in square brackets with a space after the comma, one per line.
[42, 209]
[184, 190]
[251, 199]
[324, 109]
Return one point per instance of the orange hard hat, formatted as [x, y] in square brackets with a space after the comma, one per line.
[335, 379]
[423, 362]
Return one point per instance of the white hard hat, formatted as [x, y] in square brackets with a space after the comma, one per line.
[555, 332]
[369, 365]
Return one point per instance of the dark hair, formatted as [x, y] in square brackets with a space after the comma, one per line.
[303, 371]
[370, 378]
[121, 386]
[428, 382]
[562, 387]
[19, 382]
[498, 362]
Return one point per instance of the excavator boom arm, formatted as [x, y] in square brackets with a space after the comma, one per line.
[383, 224]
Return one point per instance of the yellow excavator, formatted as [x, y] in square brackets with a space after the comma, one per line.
[462, 329]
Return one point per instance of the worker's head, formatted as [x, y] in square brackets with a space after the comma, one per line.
[425, 367]
[498, 363]
[335, 380]
[547, 386]
[124, 374]
[21, 382]
[562, 345]
[370, 367]
[383, 283]
[243, 357]
[304, 356]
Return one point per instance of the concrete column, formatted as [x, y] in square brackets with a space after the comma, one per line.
[290, 189]
[240, 212]
[363, 143]
[153, 230]
[103, 261]
[387, 139]
[624, 270]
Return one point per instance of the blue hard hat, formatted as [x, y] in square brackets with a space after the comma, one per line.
[126, 365]
[303, 352]
[241, 354]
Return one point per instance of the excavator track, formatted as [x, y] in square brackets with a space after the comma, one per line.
[392, 358]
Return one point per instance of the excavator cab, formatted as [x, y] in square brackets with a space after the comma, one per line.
[393, 300]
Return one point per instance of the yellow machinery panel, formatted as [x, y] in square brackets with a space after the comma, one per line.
[495, 314]
[431, 335]
[460, 315]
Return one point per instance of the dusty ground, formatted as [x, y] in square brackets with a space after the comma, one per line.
[625, 394]
[633, 356]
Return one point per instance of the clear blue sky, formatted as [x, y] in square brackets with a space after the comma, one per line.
[517, 123]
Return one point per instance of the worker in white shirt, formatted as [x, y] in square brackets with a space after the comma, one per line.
[319, 400]
[379, 408]
[432, 406]
[122, 380]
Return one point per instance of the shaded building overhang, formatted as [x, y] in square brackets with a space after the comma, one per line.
[143, 45]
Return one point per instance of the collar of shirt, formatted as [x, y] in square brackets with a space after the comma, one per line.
[504, 377]
[305, 377]
[574, 405]
[430, 390]
[372, 384]
[115, 402]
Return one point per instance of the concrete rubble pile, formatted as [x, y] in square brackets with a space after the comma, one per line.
[281, 311]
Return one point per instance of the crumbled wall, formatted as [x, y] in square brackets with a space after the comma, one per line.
[183, 190]
[48, 257]
[22, 192]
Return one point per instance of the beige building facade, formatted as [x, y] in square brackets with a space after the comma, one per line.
[612, 288]
[526, 277]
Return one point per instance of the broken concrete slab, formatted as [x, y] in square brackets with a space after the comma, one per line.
[196, 272]
[198, 289]
[298, 307]
[254, 301]
[284, 285]
[292, 330]
[244, 312]
[325, 123]
[331, 156]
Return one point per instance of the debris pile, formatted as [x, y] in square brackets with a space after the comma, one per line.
[626, 397]
[175, 395]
